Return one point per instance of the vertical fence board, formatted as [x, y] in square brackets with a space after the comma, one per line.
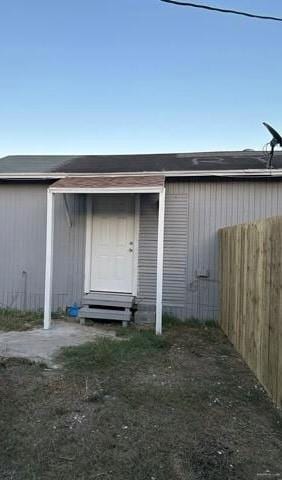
[251, 297]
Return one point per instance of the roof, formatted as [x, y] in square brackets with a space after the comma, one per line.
[167, 162]
[32, 163]
[109, 182]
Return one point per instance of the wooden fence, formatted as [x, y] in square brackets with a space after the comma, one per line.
[251, 297]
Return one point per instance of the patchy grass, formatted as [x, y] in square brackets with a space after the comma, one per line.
[107, 352]
[141, 407]
[12, 320]
[169, 321]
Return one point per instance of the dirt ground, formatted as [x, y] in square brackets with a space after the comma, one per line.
[190, 411]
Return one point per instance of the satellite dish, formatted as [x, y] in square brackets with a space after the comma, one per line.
[276, 140]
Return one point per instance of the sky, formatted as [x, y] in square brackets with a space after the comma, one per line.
[137, 76]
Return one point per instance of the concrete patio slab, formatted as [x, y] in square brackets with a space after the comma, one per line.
[41, 345]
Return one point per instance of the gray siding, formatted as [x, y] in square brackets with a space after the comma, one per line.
[22, 247]
[175, 250]
[194, 211]
[148, 237]
[69, 250]
[212, 205]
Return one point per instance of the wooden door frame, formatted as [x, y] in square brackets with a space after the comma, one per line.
[88, 243]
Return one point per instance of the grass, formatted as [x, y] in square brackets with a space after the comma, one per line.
[169, 322]
[107, 352]
[130, 345]
[16, 320]
[138, 407]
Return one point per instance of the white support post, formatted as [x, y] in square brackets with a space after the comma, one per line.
[88, 242]
[136, 244]
[160, 257]
[49, 260]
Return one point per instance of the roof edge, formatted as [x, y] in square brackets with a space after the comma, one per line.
[275, 172]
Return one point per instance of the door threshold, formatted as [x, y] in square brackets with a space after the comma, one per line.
[110, 292]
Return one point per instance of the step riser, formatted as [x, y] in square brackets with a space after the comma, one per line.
[107, 306]
[103, 314]
[108, 299]
[107, 303]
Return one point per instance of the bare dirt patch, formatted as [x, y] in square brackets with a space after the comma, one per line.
[187, 409]
[42, 346]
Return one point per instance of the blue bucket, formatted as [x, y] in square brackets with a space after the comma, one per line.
[73, 310]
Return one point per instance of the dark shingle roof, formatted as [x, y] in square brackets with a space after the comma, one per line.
[163, 162]
[32, 163]
[137, 163]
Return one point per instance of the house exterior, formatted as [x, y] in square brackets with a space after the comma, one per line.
[144, 225]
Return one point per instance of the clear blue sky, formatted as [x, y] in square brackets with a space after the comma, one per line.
[121, 76]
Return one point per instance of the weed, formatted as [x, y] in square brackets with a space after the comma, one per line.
[211, 323]
[11, 319]
[169, 321]
[106, 352]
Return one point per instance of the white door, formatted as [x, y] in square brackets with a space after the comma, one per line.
[112, 243]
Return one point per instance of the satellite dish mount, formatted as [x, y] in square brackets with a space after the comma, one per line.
[276, 140]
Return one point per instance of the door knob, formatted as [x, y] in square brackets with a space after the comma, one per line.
[130, 249]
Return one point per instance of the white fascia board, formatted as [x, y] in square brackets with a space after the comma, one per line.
[107, 190]
[183, 173]
[176, 173]
[226, 173]
[31, 176]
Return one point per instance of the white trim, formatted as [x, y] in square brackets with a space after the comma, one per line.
[160, 258]
[88, 243]
[106, 190]
[224, 173]
[275, 172]
[106, 290]
[49, 260]
[136, 245]
[31, 176]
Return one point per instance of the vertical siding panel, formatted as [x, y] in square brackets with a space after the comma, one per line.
[175, 251]
[232, 202]
[195, 210]
[69, 250]
[22, 247]
[147, 261]
[22, 241]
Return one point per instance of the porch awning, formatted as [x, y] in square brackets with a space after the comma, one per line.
[76, 184]
[105, 184]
